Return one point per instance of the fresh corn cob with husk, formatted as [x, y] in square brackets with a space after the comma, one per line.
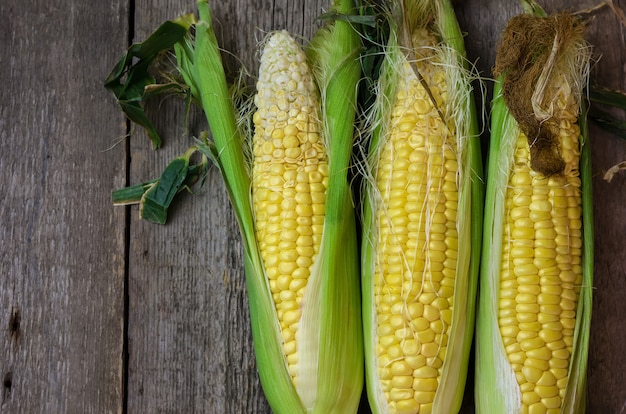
[289, 187]
[535, 298]
[422, 217]
[290, 181]
[293, 203]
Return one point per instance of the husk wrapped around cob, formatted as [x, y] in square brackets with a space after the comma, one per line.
[422, 216]
[291, 196]
[536, 276]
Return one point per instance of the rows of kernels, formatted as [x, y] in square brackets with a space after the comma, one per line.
[541, 271]
[417, 245]
[290, 176]
[566, 123]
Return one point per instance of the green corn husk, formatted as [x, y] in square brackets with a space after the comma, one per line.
[496, 387]
[438, 16]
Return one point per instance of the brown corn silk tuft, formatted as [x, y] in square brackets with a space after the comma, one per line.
[530, 50]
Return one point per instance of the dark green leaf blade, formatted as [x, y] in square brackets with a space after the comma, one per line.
[157, 199]
[153, 211]
[135, 193]
[134, 111]
[130, 76]
[607, 121]
[604, 96]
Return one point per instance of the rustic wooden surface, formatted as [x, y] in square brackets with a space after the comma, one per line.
[103, 313]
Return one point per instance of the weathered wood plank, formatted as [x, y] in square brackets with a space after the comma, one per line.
[607, 366]
[62, 257]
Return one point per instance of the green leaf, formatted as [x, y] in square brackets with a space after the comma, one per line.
[366, 20]
[209, 150]
[372, 56]
[533, 8]
[604, 96]
[158, 198]
[134, 193]
[151, 210]
[612, 98]
[130, 77]
[134, 111]
[608, 122]
[155, 196]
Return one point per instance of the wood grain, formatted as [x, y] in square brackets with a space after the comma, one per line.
[607, 376]
[62, 260]
[101, 312]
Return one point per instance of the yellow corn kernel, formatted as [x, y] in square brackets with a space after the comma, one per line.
[286, 196]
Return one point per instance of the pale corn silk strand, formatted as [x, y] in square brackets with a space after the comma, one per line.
[290, 178]
[415, 263]
[541, 269]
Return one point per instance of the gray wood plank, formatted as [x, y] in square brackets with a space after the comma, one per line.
[607, 366]
[62, 256]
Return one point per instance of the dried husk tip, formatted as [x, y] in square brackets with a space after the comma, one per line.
[535, 53]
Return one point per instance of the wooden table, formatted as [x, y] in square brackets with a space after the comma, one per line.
[101, 312]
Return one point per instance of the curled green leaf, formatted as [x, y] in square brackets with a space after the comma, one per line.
[130, 79]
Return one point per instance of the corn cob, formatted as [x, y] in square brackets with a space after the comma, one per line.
[534, 311]
[298, 222]
[290, 177]
[422, 219]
